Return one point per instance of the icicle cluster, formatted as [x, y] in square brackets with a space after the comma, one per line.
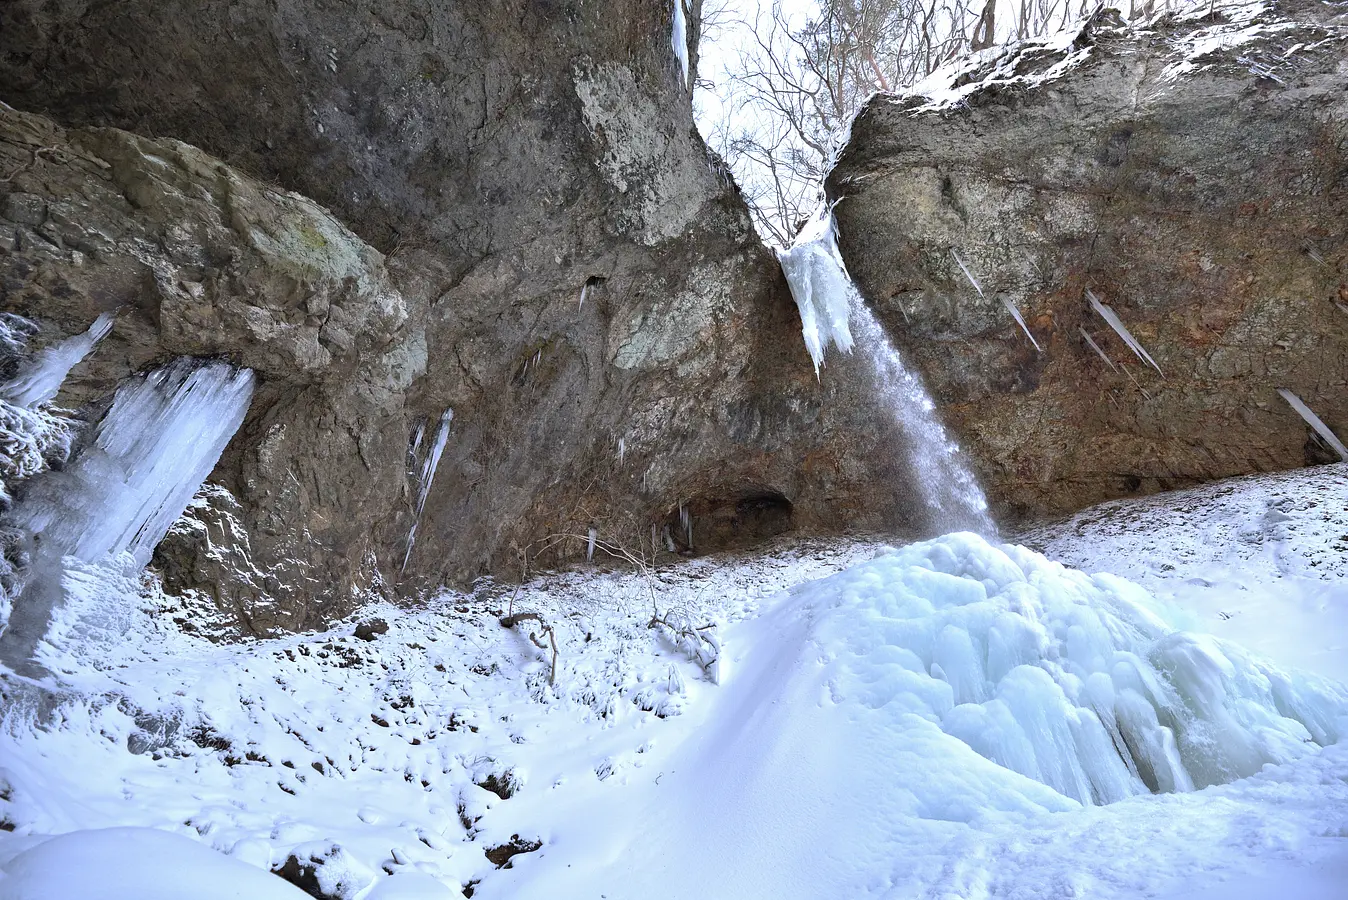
[151, 451]
[820, 285]
[679, 39]
[427, 474]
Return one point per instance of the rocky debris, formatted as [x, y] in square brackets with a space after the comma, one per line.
[371, 629]
[1191, 177]
[502, 854]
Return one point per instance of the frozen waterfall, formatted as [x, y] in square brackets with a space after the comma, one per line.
[115, 501]
[831, 311]
[820, 285]
[1079, 682]
[42, 376]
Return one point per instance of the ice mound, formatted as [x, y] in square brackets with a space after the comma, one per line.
[820, 285]
[1079, 682]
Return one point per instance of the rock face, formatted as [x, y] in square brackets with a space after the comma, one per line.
[512, 218]
[1197, 186]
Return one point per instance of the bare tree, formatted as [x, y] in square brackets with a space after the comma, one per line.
[789, 82]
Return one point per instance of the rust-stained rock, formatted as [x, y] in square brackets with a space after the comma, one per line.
[1206, 204]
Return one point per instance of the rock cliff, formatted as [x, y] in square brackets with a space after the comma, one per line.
[395, 212]
[1193, 177]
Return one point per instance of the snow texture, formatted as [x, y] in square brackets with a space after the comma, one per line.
[923, 722]
[1315, 422]
[820, 285]
[41, 377]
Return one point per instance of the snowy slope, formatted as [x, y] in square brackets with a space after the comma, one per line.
[823, 763]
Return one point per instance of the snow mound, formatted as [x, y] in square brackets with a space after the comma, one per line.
[144, 863]
[1078, 682]
[820, 285]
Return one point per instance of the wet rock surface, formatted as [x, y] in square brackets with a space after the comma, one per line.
[1196, 184]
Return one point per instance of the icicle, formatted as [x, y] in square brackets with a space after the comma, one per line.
[1096, 347]
[428, 467]
[589, 544]
[155, 446]
[1109, 316]
[584, 291]
[1006, 301]
[820, 285]
[1011, 308]
[679, 40]
[1315, 422]
[686, 522]
[654, 546]
[622, 450]
[41, 378]
[967, 274]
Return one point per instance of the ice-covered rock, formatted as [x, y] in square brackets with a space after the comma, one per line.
[1079, 682]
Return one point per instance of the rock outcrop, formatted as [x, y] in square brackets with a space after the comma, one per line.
[512, 218]
[1194, 177]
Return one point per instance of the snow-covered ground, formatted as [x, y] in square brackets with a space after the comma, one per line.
[862, 721]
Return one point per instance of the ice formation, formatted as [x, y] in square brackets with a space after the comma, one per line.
[156, 444]
[427, 475]
[1315, 422]
[1006, 301]
[1122, 331]
[151, 451]
[1090, 342]
[819, 282]
[1078, 682]
[679, 39]
[42, 376]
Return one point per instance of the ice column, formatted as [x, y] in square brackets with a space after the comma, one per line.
[820, 285]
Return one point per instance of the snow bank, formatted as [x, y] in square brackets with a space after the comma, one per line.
[139, 863]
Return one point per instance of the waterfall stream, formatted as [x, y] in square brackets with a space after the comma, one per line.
[832, 312]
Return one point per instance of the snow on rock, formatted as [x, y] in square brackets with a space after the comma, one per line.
[820, 285]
